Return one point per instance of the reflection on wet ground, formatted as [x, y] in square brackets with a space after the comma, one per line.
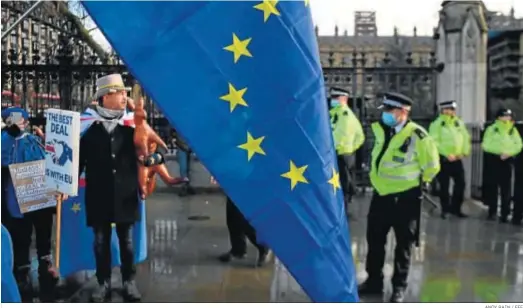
[467, 260]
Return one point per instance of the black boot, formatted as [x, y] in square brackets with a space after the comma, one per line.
[370, 288]
[263, 257]
[25, 286]
[47, 280]
[398, 296]
[130, 291]
[229, 256]
[102, 292]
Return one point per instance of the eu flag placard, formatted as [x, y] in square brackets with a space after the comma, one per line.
[242, 82]
[76, 239]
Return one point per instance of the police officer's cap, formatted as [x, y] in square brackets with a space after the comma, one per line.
[7, 113]
[335, 92]
[396, 100]
[504, 112]
[448, 104]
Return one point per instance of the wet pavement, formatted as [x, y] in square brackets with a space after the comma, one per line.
[468, 260]
[459, 260]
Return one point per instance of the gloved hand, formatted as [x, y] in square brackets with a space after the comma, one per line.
[425, 187]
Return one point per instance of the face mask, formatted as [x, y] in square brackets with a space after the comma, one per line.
[389, 119]
[13, 130]
[335, 103]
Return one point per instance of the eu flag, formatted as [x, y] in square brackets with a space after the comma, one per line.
[242, 82]
[76, 243]
[10, 293]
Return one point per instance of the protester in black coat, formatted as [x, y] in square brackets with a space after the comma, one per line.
[108, 156]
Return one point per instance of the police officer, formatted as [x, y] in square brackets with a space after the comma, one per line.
[404, 159]
[19, 147]
[348, 138]
[501, 143]
[453, 141]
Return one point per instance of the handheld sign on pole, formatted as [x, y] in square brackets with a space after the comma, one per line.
[62, 145]
[62, 154]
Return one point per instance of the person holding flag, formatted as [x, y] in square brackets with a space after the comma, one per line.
[260, 126]
[108, 156]
[239, 229]
[403, 161]
[18, 146]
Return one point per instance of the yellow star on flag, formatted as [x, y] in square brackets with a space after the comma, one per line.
[307, 2]
[268, 7]
[235, 97]
[239, 47]
[252, 146]
[335, 180]
[76, 208]
[295, 174]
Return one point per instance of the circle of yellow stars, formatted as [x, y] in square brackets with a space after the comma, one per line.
[235, 97]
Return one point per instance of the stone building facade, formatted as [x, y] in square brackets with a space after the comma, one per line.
[340, 49]
[505, 73]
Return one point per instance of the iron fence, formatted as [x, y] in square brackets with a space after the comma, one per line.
[366, 79]
[477, 164]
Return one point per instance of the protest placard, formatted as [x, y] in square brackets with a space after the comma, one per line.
[32, 192]
[62, 144]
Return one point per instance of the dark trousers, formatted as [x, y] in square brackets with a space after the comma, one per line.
[239, 228]
[455, 171]
[498, 180]
[345, 165]
[102, 251]
[21, 230]
[401, 213]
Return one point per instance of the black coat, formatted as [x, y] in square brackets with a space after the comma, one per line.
[111, 175]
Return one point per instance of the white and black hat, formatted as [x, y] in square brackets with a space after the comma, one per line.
[448, 104]
[396, 100]
[335, 92]
[109, 84]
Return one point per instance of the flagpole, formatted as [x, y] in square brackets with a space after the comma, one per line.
[16, 23]
[58, 231]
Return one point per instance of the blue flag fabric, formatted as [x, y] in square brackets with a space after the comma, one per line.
[10, 293]
[242, 82]
[76, 245]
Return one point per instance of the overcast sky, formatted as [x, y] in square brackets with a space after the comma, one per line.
[404, 14]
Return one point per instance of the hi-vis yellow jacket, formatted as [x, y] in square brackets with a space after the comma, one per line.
[410, 157]
[451, 136]
[346, 130]
[502, 138]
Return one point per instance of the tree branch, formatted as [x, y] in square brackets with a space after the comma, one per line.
[84, 33]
